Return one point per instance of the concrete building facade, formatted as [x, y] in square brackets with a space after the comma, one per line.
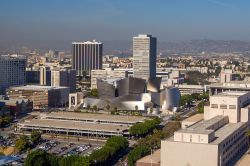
[144, 56]
[220, 137]
[87, 56]
[190, 89]
[12, 69]
[45, 76]
[106, 74]
[64, 78]
[41, 96]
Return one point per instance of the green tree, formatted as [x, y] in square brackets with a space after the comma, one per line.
[217, 71]
[201, 107]
[75, 160]
[137, 153]
[248, 136]
[95, 108]
[112, 147]
[41, 158]
[4, 120]
[35, 137]
[88, 107]
[140, 129]
[22, 143]
[185, 100]
[93, 93]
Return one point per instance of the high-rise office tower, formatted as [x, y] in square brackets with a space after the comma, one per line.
[86, 56]
[12, 69]
[64, 78]
[144, 56]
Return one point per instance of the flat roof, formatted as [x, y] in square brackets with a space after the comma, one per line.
[74, 125]
[13, 57]
[195, 131]
[194, 118]
[91, 116]
[231, 94]
[244, 161]
[232, 85]
[155, 158]
[37, 87]
[87, 42]
[225, 131]
[190, 86]
[220, 134]
[205, 124]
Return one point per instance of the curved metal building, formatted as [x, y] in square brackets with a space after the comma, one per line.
[170, 98]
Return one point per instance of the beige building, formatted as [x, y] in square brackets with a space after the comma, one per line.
[144, 56]
[218, 140]
[42, 96]
[226, 75]
[106, 74]
[63, 77]
[43, 75]
[190, 89]
[217, 88]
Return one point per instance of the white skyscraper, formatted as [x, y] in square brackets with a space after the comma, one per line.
[86, 56]
[12, 69]
[144, 56]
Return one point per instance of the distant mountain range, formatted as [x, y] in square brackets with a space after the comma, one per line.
[123, 47]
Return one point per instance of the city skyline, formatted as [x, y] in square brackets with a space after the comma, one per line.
[109, 20]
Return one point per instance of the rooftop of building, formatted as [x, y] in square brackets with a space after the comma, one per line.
[87, 42]
[190, 86]
[194, 118]
[206, 124]
[37, 87]
[90, 116]
[225, 131]
[221, 132]
[74, 125]
[155, 158]
[232, 84]
[230, 94]
[12, 57]
[143, 35]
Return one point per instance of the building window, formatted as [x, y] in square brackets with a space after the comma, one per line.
[223, 106]
[214, 105]
[232, 106]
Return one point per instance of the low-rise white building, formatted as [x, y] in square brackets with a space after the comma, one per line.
[218, 140]
[190, 89]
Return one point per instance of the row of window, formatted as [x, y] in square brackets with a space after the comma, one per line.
[223, 106]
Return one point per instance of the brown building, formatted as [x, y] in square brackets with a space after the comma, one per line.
[41, 96]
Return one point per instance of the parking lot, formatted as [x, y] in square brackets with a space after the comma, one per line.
[67, 148]
[6, 141]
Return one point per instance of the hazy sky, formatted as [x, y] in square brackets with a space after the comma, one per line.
[169, 20]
